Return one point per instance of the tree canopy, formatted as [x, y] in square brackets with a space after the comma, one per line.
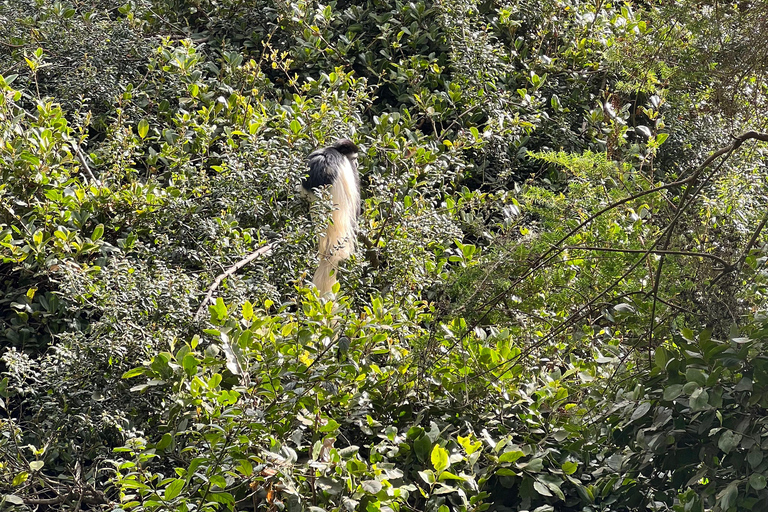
[558, 302]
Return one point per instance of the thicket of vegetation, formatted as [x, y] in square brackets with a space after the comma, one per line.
[561, 305]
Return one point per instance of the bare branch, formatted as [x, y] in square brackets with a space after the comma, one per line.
[83, 162]
[265, 250]
[724, 263]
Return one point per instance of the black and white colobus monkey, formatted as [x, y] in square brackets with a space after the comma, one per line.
[335, 166]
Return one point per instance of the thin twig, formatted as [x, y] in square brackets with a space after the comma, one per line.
[265, 250]
[558, 248]
[652, 251]
[83, 162]
[752, 241]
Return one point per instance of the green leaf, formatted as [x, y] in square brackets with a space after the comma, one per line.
[699, 400]
[640, 411]
[36, 465]
[295, 127]
[190, 363]
[143, 128]
[12, 499]
[757, 481]
[729, 440]
[469, 446]
[510, 456]
[569, 467]
[20, 478]
[542, 489]
[222, 497]
[98, 231]
[446, 475]
[533, 465]
[439, 458]
[371, 486]
[696, 375]
[661, 137]
[728, 495]
[422, 446]
[428, 476]
[218, 481]
[673, 391]
[135, 372]
[164, 442]
[331, 426]
[247, 310]
[755, 457]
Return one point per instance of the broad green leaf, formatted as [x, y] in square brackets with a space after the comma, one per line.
[331, 426]
[728, 495]
[143, 128]
[190, 363]
[135, 372]
[439, 458]
[729, 440]
[164, 442]
[757, 481]
[98, 231]
[673, 391]
[510, 456]
[696, 375]
[469, 446]
[173, 489]
[422, 446]
[428, 476]
[533, 465]
[640, 411]
[36, 465]
[222, 497]
[542, 489]
[446, 475]
[699, 400]
[569, 467]
[371, 486]
[247, 310]
[12, 499]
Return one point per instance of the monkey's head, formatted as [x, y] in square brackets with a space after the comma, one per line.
[347, 148]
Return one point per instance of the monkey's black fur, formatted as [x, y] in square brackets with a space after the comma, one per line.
[324, 165]
[336, 167]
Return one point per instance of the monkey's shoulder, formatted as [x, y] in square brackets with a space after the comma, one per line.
[324, 167]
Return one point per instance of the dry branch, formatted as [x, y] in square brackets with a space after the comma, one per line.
[265, 250]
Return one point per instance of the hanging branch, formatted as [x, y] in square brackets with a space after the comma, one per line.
[684, 203]
[265, 250]
[558, 247]
[83, 162]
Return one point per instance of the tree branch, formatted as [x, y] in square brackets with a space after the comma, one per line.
[265, 250]
[651, 251]
[83, 162]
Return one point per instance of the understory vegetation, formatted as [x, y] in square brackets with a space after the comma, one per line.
[558, 302]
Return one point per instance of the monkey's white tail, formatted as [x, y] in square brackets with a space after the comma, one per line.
[338, 242]
[325, 276]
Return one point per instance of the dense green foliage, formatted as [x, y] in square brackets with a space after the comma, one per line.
[559, 304]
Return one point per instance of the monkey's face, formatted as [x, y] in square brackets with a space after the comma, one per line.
[352, 157]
